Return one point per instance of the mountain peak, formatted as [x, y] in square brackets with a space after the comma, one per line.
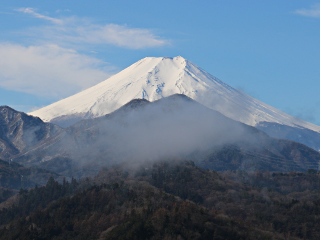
[178, 61]
[165, 58]
[153, 78]
[5, 108]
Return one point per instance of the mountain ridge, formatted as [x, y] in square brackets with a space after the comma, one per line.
[153, 78]
[172, 126]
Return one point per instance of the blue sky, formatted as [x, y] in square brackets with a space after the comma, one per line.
[269, 49]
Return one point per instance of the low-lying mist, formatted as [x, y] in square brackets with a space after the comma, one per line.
[171, 128]
[143, 131]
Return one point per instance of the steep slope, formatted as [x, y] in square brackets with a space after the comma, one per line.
[153, 78]
[19, 132]
[169, 127]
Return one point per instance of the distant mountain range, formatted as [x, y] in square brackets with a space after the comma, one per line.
[175, 126]
[154, 78]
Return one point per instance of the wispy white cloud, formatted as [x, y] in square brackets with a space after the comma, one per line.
[313, 11]
[38, 15]
[48, 70]
[79, 30]
[53, 67]
[119, 35]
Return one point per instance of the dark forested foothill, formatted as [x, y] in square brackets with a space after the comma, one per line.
[37, 199]
[169, 200]
[14, 176]
[124, 210]
[286, 203]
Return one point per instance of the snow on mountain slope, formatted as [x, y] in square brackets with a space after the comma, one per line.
[155, 77]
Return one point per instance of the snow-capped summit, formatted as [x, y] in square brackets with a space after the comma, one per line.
[152, 78]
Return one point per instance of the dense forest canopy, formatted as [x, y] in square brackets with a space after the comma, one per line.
[168, 200]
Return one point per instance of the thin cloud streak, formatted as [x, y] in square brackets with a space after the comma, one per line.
[83, 31]
[32, 12]
[313, 12]
[121, 36]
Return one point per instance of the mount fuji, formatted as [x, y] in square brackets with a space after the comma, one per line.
[153, 78]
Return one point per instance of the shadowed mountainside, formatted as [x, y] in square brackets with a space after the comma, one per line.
[19, 132]
[173, 126]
